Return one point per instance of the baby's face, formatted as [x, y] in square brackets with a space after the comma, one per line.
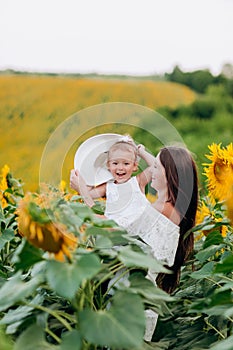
[122, 164]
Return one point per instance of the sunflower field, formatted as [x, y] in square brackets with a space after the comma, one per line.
[33, 106]
[57, 258]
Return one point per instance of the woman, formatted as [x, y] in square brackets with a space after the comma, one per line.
[165, 225]
[174, 177]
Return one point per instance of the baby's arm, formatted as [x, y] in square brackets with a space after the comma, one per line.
[87, 192]
[145, 176]
[148, 157]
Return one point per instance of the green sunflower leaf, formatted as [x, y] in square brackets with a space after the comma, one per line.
[66, 278]
[123, 323]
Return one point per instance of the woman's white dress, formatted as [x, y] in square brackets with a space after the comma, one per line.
[130, 209]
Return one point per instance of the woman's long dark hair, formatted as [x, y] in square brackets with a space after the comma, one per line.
[182, 182]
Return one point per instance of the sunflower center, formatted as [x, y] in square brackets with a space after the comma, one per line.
[223, 172]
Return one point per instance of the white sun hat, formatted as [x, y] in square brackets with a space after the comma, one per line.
[91, 157]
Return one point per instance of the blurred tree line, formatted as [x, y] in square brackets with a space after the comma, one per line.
[214, 92]
[208, 119]
[200, 80]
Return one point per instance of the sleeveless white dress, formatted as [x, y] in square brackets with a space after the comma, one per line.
[130, 209]
[124, 202]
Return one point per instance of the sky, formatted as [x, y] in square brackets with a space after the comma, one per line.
[135, 37]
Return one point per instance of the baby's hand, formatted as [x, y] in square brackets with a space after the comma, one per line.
[141, 149]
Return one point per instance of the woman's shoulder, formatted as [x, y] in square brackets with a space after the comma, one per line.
[168, 210]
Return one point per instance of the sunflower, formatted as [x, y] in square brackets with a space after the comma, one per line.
[203, 211]
[62, 186]
[42, 231]
[207, 212]
[219, 172]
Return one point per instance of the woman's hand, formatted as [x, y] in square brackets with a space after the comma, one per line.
[78, 184]
[74, 180]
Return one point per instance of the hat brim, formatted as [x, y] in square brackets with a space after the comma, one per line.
[91, 158]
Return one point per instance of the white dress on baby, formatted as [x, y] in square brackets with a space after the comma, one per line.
[125, 202]
[130, 209]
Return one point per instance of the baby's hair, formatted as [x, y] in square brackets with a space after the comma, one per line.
[124, 146]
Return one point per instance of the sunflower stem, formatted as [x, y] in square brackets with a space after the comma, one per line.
[54, 336]
[215, 329]
[227, 278]
[125, 272]
[107, 276]
[67, 316]
[7, 248]
[82, 297]
[53, 313]
[213, 281]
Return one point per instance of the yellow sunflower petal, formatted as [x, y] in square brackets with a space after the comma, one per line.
[59, 256]
[223, 231]
[32, 229]
[66, 251]
[55, 233]
[70, 240]
[39, 233]
[26, 219]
